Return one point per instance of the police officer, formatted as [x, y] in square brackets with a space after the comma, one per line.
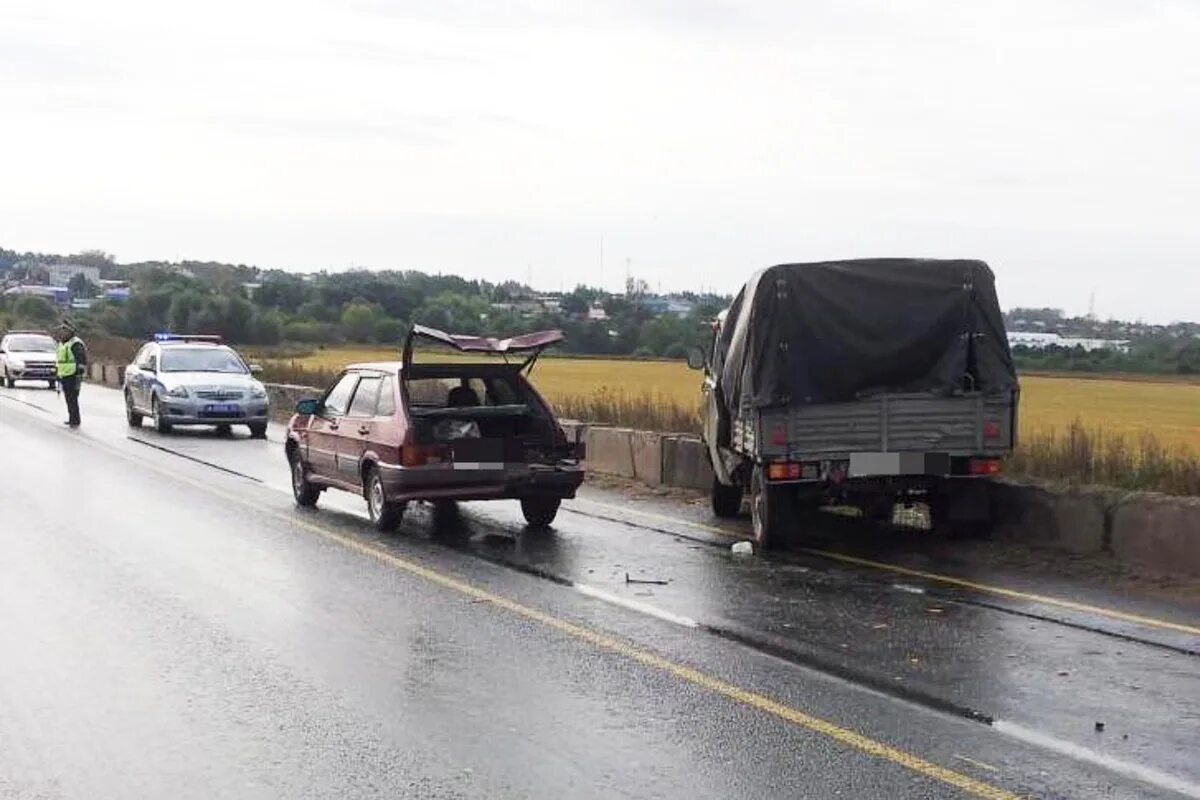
[72, 363]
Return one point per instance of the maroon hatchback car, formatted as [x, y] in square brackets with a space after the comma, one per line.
[438, 431]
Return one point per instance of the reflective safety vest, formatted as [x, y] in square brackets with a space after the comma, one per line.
[66, 358]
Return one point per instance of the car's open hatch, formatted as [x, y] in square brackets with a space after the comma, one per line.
[529, 345]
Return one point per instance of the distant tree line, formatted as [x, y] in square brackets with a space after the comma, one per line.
[247, 306]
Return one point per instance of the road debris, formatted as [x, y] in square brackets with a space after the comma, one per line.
[651, 581]
[742, 549]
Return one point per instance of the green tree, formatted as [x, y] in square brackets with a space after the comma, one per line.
[80, 286]
[35, 310]
[358, 321]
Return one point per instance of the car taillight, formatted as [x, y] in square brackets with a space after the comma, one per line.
[991, 430]
[418, 455]
[985, 466]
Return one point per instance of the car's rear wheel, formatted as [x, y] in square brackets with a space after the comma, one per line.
[160, 424]
[303, 491]
[132, 417]
[385, 515]
[726, 500]
[258, 430]
[540, 511]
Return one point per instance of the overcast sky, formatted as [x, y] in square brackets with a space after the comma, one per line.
[700, 140]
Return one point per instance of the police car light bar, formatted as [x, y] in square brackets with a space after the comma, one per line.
[186, 337]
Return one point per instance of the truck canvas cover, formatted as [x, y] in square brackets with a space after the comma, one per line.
[835, 331]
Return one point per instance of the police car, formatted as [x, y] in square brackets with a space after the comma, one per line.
[194, 380]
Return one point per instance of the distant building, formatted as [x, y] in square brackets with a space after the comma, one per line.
[1043, 341]
[597, 313]
[61, 274]
[59, 295]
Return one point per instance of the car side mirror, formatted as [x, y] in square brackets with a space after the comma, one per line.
[308, 407]
[695, 358]
[255, 369]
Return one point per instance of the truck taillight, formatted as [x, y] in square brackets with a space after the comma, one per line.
[985, 466]
[789, 471]
[779, 434]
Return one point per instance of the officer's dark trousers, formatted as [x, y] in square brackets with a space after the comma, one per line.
[70, 388]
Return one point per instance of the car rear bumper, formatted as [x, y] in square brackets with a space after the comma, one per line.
[480, 481]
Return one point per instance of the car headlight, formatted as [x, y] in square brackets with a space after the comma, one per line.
[258, 391]
[178, 391]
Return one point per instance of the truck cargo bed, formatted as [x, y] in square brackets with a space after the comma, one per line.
[971, 424]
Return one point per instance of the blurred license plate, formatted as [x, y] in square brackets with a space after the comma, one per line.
[221, 408]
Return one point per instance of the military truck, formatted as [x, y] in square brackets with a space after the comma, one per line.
[864, 383]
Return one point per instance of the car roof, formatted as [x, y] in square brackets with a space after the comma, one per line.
[380, 366]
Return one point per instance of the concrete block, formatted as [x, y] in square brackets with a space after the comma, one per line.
[610, 451]
[283, 398]
[685, 463]
[647, 452]
[1158, 532]
[1073, 520]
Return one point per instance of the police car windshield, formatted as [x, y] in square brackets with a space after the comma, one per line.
[201, 359]
[31, 344]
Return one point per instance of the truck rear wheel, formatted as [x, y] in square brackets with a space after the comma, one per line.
[772, 510]
[726, 500]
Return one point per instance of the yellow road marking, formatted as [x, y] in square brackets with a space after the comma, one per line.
[1011, 593]
[614, 645]
[949, 580]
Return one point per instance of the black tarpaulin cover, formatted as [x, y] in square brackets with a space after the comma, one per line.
[838, 330]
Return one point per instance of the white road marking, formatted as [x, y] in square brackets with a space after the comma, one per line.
[635, 605]
[1078, 752]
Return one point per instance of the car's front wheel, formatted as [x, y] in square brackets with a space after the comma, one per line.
[132, 417]
[303, 490]
[52, 384]
[540, 511]
[8, 379]
[385, 515]
[258, 430]
[160, 424]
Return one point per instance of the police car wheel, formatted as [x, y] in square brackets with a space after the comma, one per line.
[132, 417]
[258, 431]
[160, 424]
[8, 380]
[303, 490]
[52, 384]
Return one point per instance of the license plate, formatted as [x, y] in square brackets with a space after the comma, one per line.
[221, 408]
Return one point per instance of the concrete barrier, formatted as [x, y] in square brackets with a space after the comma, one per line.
[1072, 520]
[685, 463]
[283, 398]
[609, 451]
[1158, 532]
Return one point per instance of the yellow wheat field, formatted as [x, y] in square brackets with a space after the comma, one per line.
[1168, 410]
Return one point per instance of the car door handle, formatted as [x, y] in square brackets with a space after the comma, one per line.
[333, 426]
[363, 430]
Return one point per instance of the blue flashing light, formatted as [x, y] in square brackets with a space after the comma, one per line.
[165, 337]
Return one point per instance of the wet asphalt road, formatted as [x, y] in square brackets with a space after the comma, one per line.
[173, 627]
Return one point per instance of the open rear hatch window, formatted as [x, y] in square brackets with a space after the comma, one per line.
[480, 410]
[522, 350]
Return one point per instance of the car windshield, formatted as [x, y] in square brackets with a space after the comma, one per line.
[31, 344]
[201, 359]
